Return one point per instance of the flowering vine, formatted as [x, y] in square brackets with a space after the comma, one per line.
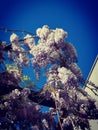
[68, 102]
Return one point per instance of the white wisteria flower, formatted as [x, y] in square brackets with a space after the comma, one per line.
[60, 34]
[29, 41]
[64, 74]
[43, 32]
[14, 38]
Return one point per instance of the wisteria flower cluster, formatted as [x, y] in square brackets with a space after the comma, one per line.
[18, 54]
[21, 107]
[48, 39]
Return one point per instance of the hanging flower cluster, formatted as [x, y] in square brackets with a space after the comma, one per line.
[45, 51]
[18, 54]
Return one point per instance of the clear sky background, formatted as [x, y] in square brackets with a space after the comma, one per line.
[78, 17]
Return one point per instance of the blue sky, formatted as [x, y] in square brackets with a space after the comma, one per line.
[78, 17]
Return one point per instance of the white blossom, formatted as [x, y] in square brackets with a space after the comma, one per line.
[43, 32]
[23, 58]
[52, 77]
[64, 74]
[15, 47]
[45, 123]
[14, 38]
[54, 55]
[6, 104]
[38, 32]
[16, 91]
[29, 41]
[37, 107]
[60, 34]
[50, 39]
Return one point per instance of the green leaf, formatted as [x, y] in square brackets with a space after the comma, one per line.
[11, 67]
[25, 77]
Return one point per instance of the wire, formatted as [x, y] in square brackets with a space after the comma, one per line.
[12, 30]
